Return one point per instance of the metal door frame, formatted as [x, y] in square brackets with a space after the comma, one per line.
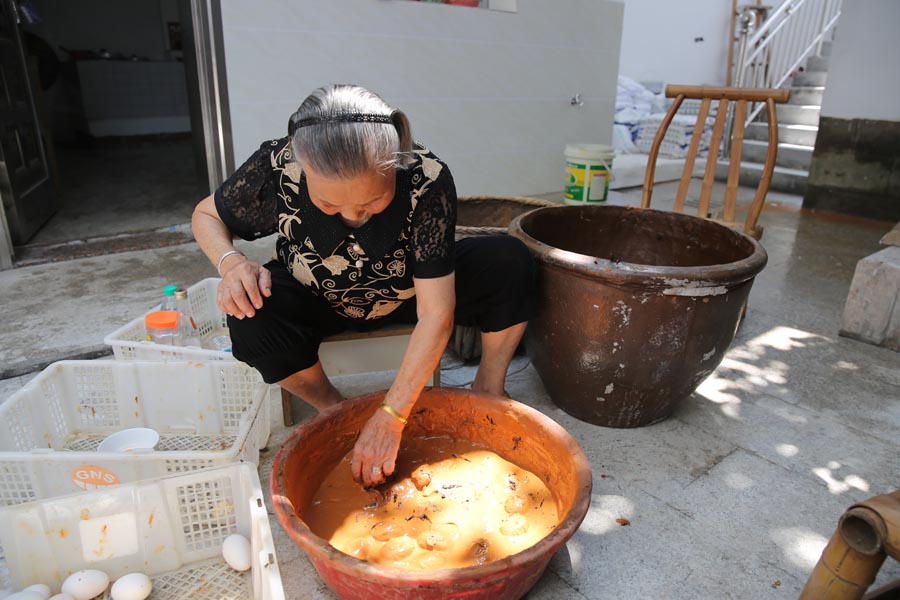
[210, 53]
[6, 245]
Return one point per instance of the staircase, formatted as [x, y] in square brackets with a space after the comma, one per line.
[798, 124]
[770, 55]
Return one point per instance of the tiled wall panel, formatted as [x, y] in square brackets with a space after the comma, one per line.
[488, 91]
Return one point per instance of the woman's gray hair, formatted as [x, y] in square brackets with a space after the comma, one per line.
[346, 130]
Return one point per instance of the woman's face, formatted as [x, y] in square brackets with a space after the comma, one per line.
[355, 198]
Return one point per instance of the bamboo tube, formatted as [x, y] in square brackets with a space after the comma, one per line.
[867, 533]
[842, 573]
[887, 509]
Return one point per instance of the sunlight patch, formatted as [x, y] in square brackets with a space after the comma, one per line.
[843, 485]
[605, 509]
[738, 481]
[847, 366]
[784, 338]
[801, 546]
[787, 450]
[714, 389]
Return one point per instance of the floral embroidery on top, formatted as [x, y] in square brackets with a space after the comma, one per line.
[363, 273]
[369, 271]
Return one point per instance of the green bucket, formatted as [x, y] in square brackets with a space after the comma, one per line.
[588, 172]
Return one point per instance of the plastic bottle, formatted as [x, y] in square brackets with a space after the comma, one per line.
[162, 327]
[168, 302]
[187, 327]
[221, 342]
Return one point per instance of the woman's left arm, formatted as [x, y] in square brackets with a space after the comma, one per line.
[375, 453]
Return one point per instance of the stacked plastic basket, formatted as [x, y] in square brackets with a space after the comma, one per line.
[165, 512]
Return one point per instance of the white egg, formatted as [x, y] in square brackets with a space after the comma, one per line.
[236, 552]
[134, 586]
[84, 585]
[62, 597]
[26, 595]
[40, 588]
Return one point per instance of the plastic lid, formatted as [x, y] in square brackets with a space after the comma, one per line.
[162, 319]
[589, 151]
[169, 290]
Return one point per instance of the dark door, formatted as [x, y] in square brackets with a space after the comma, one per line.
[28, 196]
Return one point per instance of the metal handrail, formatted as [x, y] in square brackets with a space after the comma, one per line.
[770, 53]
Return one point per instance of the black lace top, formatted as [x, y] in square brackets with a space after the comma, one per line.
[364, 272]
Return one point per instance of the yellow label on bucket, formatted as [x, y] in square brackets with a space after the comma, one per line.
[586, 183]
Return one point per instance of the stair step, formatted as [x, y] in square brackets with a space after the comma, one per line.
[791, 156]
[798, 114]
[826, 48]
[810, 78]
[817, 63]
[802, 135]
[784, 179]
[807, 94]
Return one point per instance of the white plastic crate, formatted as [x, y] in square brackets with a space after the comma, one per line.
[207, 414]
[169, 528]
[130, 342]
[378, 352]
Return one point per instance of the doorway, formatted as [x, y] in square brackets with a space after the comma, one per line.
[117, 104]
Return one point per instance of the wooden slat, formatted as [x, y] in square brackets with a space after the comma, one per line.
[711, 159]
[654, 152]
[698, 92]
[734, 168]
[768, 169]
[691, 157]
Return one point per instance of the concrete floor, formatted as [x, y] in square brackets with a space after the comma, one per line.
[733, 497]
[119, 185]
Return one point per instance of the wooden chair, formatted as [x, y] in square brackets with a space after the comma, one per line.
[724, 95]
[867, 533]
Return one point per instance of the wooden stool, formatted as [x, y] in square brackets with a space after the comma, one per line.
[351, 352]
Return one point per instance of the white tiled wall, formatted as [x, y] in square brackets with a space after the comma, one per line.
[488, 91]
[133, 98]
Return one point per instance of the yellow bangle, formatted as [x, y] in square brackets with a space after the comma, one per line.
[389, 410]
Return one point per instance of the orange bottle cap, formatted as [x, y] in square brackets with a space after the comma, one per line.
[162, 319]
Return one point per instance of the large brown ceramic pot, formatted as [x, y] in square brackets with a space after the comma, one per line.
[637, 307]
[516, 432]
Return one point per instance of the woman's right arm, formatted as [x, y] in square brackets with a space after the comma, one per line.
[244, 282]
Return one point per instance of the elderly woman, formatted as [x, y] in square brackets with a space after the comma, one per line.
[365, 221]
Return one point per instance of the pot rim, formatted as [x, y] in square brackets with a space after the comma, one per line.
[680, 281]
[319, 549]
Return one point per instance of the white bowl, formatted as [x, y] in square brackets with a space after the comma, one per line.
[130, 440]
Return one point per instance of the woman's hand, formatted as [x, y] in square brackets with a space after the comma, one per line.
[375, 452]
[244, 282]
[243, 286]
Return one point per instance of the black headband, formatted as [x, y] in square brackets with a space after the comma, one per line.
[294, 125]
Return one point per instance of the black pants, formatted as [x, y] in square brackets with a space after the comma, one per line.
[495, 289]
